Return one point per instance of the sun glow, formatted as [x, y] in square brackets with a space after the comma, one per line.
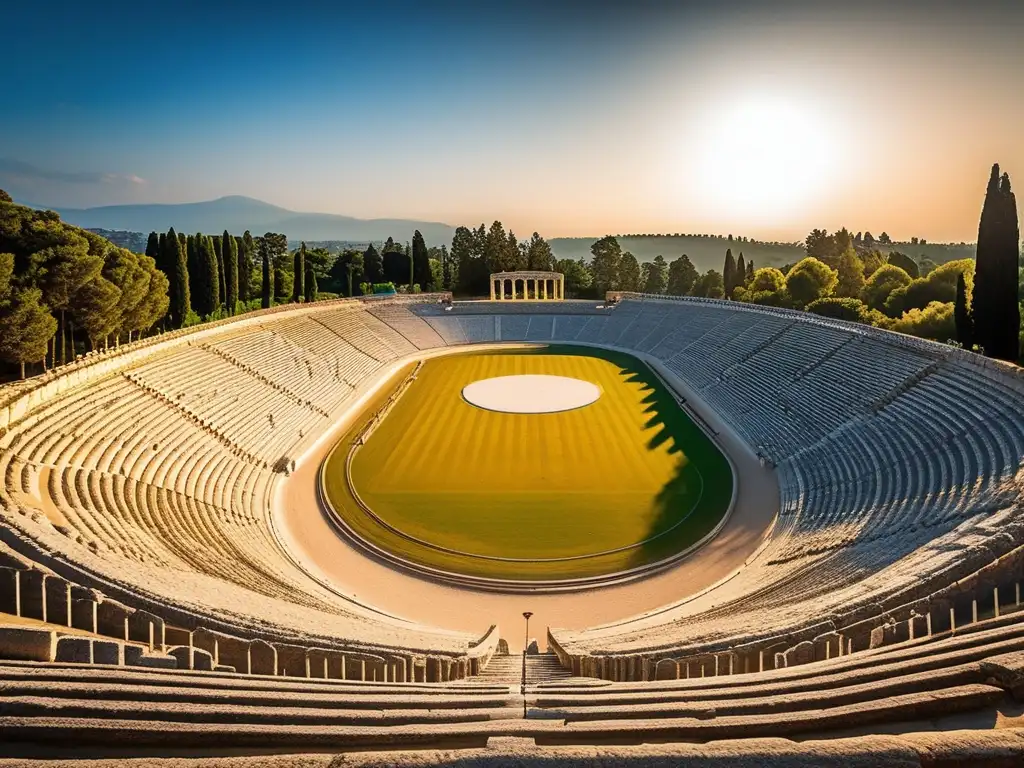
[762, 158]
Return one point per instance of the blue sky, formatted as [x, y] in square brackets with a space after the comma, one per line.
[581, 119]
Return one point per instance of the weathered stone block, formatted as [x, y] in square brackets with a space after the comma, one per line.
[137, 656]
[76, 650]
[192, 658]
[107, 652]
[27, 643]
[801, 653]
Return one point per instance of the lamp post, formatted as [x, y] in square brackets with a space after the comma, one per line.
[522, 689]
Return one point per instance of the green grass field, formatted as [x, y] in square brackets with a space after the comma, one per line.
[631, 472]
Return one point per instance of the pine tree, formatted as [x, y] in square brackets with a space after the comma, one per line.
[298, 272]
[26, 327]
[604, 267]
[230, 261]
[96, 309]
[729, 273]
[995, 305]
[681, 276]
[750, 270]
[629, 273]
[656, 277]
[962, 314]
[309, 284]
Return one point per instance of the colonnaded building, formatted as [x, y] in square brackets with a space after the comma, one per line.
[524, 531]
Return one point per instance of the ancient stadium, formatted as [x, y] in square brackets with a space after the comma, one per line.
[741, 533]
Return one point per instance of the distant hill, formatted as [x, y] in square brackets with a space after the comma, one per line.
[120, 223]
[237, 214]
[708, 251]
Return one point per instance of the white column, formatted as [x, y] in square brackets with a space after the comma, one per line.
[492, 289]
[544, 289]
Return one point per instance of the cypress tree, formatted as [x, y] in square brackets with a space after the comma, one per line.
[246, 249]
[446, 268]
[222, 288]
[750, 270]
[729, 273]
[153, 246]
[309, 283]
[741, 270]
[265, 293]
[421, 260]
[230, 260]
[373, 265]
[175, 258]
[299, 272]
[408, 255]
[995, 306]
[195, 273]
[161, 254]
[962, 314]
[207, 298]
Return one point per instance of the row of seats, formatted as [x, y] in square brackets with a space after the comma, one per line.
[158, 478]
[885, 453]
[893, 458]
[971, 676]
[888, 455]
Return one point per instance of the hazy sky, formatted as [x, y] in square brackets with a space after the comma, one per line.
[763, 119]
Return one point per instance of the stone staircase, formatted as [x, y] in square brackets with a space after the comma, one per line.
[508, 670]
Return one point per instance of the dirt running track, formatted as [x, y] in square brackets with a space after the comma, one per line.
[314, 543]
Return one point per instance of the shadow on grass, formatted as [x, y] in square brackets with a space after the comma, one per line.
[700, 489]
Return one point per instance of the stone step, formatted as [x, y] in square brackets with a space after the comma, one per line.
[764, 700]
[860, 667]
[82, 690]
[113, 732]
[205, 712]
[539, 668]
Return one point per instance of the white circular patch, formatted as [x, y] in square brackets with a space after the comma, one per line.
[530, 394]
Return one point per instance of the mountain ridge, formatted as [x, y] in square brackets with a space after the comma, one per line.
[238, 213]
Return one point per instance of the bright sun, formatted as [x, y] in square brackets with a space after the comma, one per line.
[761, 158]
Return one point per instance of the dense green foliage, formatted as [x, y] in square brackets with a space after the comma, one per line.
[477, 253]
[56, 279]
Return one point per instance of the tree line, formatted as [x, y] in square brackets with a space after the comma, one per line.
[65, 290]
[971, 303]
[61, 286]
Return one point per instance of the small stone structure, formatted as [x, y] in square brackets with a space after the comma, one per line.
[535, 286]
